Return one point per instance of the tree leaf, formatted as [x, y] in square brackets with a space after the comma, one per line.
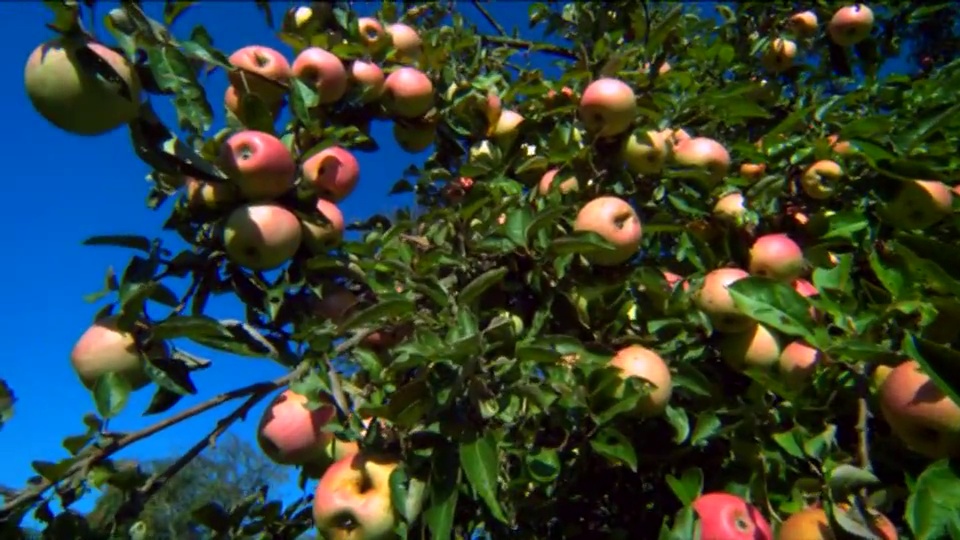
[480, 461]
[775, 304]
[111, 392]
[7, 399]
[141, 243]
[480, 284]
[613, 445]
[940, 362]
[379, 313]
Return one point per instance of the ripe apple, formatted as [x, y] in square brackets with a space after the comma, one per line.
[714, 300]
[261, 236]
[233, 102]
[813, 524]
[74, 99]
[568, 184]
[565, 92]
[819, 181]
[103, 348]
[675, 279]
[753, 171]
[616, 221]
[724, 516]
[408, 93]
[647, 152]
[850, 25]
[208, 194]
[259, 163]
[919, 413]
[664, 67]
[779, 55]
[730, 208]
[919, 204]
[322, 70]
[803, 24]
[369, 78]
[353, 499]
[333, 172]
[271, 66]
[492, 107]
[507, 128]
[806, 290]
[841, 147]
[414, 137]
[371, 31]
[608, 107]
[335, 303]
[291, 434]
[776, 256]
[880, 374]
[637, 361]
[406, 41]
[319, 236]
[797, 363]
[677, 136]
[756, 347]
[705, 153]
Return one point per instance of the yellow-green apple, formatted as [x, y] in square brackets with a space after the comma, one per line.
[753, 171]
[646, 152]
[568, 184]
[414, 137]
[323, 71]
[292, 434]
[507, 128]
[75, 99]
[813, 524]
[333, 172]
[730, 208]
[724, 516]
[841, 147]
[210, 195]
[756, 347]
[261, 236]
[369, 78]
[268, 64]
[233, 102]
[850, 24]
[919, 204]
[408, 93]
[776, 256]
[104, 348]
[779, 55]
[406, 41]
[820, 180]
[797, 363]
[617, 222]
[704, 153]
[259, 164]
[637, 361]
[714, 300]
[919, 413]
[803, 24]
[354, 501]
[608, 107]
[371, 31]
[320, 236]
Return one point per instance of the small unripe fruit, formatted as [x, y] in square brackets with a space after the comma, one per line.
[646, 153]
[608, 107]
[776, 256]
[414, 137]
[261, 236]
[919, 204]
[753, 171]
[208, 194]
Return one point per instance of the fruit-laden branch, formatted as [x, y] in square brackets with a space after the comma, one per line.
[254, 392]
[525, 45]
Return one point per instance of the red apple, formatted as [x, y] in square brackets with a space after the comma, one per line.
[714, 300]
[919, 204]
[333, 172]
[813, 524]
[797, 363]
[704, 153]
[371, 31]
[803, 24]
[724, 516]
[261, 236]
[408, 93]
[730, 208]
[850, 25]
[608, 107]
[756, 347]
[776, 256]
[406, 41]
[568, 184]
[323, 71]
[369, 78]
[269, 64]
[104, 348]
[753, 171]
[259, 164]
[646, 153]
[233, 102]
[779, 55]
[616, 221]
[637, 361]
[919, 413]
[292, 434]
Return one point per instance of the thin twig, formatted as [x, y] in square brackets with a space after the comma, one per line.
[863, 416]
[486, 15]
[524, 45]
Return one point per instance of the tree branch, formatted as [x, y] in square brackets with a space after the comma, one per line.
[486, 15]
[524, 45]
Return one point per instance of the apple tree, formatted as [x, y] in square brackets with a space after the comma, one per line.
[672, 271]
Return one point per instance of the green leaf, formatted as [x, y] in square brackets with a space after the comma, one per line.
[7, 399]
[934, 500]
[480, 461]
[480, 284]
[941, 363]
[790, 442]
[613, 445]
[172, 9]
[444, 481]
[891, 278]
[775, 304]
[544, 219]
[543, 464]
[141, 243]
[706, 426]
[909, 139]
[581, 243]
[379, 313]
[213, 516]
[517, 224]
[688, 487]
[845, 479]
[111, 393]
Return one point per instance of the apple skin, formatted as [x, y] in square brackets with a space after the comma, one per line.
[322, 70]
[730, 208]
[615, 220]
[261, 236]
[724, 516]
[705, 153]
[104, 348]
[333, 172]
[406, 41]
[804, 24]
[715, 301]
[209, 195]
[753, 171]
[268, 63]
[408, 93]
[813, 524]
[919, 204]
[565, 186]
[646, 153]
[608, 107]
[507, 128]
[919, 413]
[414, 137]
[841, 147]
[371, 31]
[756, 347]
[637, 361]
[233, 102]
[291, 434]
[320, 237]
[779, 56]
[820, 179]
[675, 279]
[353, 500]
[335, 304]
[76, 101]
[776, 256]
[259, 163]
[369, 78]
[850, 25]
[806, 289]
[797, 363]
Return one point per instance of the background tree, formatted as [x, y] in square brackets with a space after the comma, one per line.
[697, 278]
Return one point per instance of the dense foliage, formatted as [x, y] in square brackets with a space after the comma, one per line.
[483, 320]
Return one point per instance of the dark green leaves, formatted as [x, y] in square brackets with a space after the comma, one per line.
[110, 393]
[774, 304]
[480, 460]
[613, 445]
[932, 506]
[7, 399]
[481, 283]
[941, 363]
